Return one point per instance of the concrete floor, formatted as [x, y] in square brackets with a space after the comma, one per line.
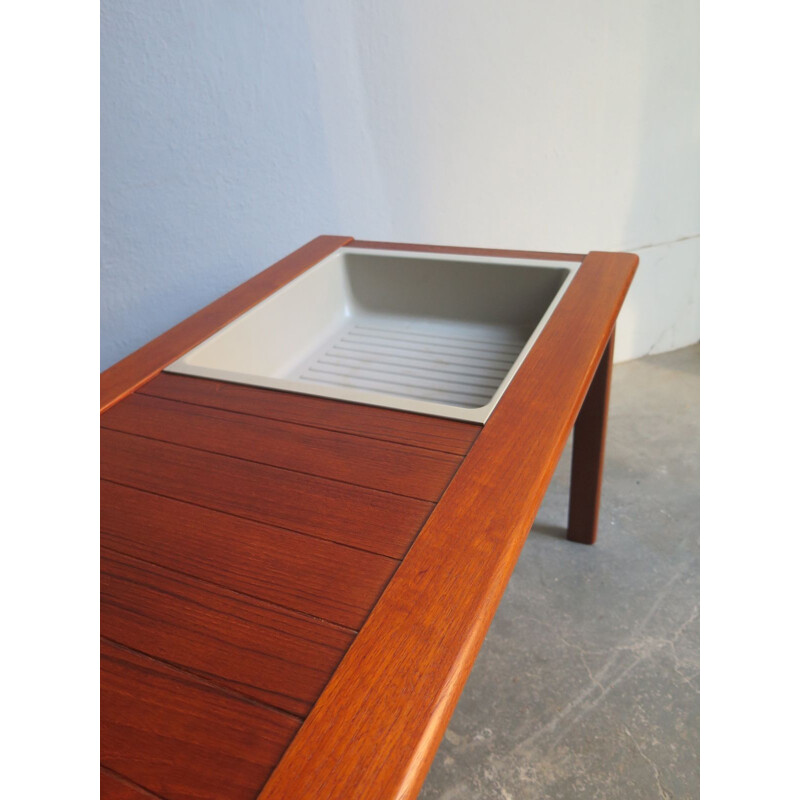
[587, 685]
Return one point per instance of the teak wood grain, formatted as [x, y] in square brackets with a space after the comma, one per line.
[389, 467]
[314, 576]
[181, 737]
[374, 731]
[319, 413]
[116, 787]
[127, 375]
[267, 653]
[376, 521]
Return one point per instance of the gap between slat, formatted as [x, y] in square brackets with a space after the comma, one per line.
[251, 519]
[224, 690]
[152, 389]
[119, 429]
[288, 610]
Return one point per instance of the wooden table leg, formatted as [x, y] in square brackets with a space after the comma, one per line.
[588, 444]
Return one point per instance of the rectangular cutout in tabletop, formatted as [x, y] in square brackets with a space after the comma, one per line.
[432, 333]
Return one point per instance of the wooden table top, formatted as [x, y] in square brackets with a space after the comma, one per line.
[294, 588]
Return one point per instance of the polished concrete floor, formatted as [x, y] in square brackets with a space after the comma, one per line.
[587, 685]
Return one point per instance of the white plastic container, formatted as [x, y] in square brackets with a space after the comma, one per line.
[423, 332]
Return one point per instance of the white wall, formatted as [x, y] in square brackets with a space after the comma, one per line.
[233, 131]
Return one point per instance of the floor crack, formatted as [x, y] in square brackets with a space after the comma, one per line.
[665, 795]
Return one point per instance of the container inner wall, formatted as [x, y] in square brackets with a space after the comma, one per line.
[463, 291]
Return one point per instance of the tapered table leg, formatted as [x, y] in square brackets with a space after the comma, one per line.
[588, 445]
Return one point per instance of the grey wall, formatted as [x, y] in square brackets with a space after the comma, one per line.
[233, 131]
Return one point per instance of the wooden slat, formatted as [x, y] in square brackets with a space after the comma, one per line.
[310, 575]
[490, 252]
[180, 737]
[374, 731]
[117, 787]
[267, 653]
[370, 520]
[364, 462]
[433, 433]
[126, 375]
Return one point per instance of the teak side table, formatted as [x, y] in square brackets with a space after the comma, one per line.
[294, 588]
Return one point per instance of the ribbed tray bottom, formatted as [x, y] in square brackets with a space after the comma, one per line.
[452, 363]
